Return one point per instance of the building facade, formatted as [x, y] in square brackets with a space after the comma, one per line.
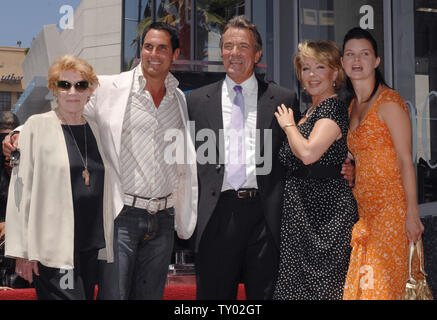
[93, 33]
[11, 75]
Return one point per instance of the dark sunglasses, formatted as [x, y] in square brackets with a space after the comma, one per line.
[80, 86]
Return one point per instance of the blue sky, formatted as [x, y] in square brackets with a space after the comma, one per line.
[23, 19]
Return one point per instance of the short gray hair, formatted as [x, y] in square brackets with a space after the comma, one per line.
[242, 23]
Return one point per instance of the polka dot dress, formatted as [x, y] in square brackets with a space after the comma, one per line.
[318, 216]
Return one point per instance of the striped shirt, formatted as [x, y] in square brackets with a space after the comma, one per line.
[144, 172]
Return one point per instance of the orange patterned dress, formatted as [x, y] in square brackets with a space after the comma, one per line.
[378, 268]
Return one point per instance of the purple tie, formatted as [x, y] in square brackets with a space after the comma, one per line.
[236, 169]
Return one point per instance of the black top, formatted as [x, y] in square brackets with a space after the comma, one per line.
[330, 108]
[87, 201]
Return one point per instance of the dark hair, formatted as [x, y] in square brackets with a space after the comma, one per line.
[242, 23]
[8, 120]
[174, 36]
[358, 33]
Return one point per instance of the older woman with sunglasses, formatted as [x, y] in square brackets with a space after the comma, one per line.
[54, 218]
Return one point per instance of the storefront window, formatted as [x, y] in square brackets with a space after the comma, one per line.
[178, 14]
[137, 16]
[211, 17]
[199, 31]
[425, 20]
[262, 17]
[5, 101]
[331, 19]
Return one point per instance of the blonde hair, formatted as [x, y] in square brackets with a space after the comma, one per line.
[322, 51]
[70, 62]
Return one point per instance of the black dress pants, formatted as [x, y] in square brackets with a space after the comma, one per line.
[73, 284]
[236, 245]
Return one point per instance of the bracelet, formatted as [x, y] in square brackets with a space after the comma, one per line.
[288, 125]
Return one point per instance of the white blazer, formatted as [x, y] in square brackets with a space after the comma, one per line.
[107, 108]
[40, 215]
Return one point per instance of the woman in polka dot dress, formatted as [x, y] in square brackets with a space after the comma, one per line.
[319, 210]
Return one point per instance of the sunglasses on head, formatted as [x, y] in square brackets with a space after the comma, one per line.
[80, 86]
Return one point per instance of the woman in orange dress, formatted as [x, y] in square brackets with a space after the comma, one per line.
[379, 139]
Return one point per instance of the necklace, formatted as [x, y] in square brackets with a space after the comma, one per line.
[85, 172]
[311, 110]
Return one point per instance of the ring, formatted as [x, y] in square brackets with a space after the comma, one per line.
[19, 272]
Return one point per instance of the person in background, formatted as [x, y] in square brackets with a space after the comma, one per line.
[319, 209]
[379, 139]
[8, 121]
[54, 216]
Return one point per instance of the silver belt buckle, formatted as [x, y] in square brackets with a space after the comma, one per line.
[151, 201]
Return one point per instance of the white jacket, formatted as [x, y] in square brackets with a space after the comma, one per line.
[39, 214]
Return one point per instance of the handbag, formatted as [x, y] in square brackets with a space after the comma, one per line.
[417, 289]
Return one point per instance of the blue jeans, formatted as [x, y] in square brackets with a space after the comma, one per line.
[143, 244]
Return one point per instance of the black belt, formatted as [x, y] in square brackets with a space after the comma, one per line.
[241, 193]
[317, 171]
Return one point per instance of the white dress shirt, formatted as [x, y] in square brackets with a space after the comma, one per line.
[250, 94]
